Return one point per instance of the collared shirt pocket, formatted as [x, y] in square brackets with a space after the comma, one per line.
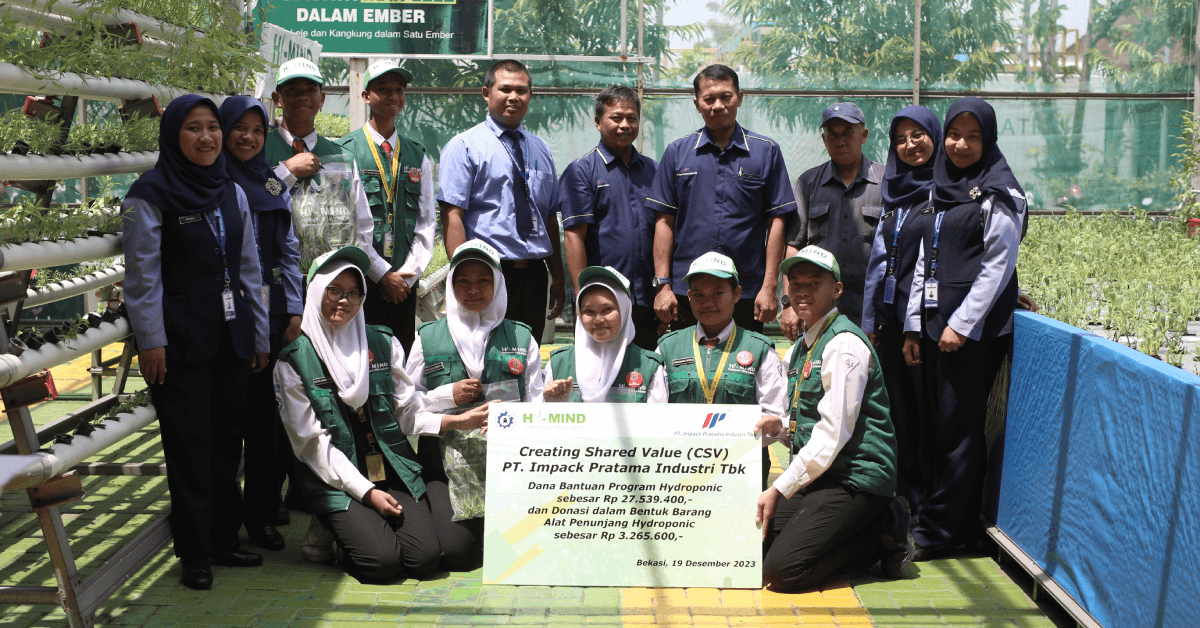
[601, 200]
[870, 220]
[818, 222]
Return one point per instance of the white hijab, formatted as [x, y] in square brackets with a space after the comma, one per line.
[598, 363]
[471, 330]
[343, 350]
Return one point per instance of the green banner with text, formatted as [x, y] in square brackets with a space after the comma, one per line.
[374, 28]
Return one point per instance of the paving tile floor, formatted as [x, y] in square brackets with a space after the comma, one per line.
[287, 591]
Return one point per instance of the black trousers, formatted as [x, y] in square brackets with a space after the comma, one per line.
[907, 405]
[958, 384]
[201, 409]
[821, 531]
[743, 315]
[266, 443]
[461, 541]
[400, 317]
[527, 298]
[378, 549]
[645, 326]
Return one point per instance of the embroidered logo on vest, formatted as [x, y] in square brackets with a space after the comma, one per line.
[515, 366]
[633, 379]
[414, 175]
[745, 358]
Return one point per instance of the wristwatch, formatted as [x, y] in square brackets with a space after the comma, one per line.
[661, 281]
[786, 301]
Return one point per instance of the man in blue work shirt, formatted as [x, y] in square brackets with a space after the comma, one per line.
[497, 183]
[839, 203]
[721, 189]
[602, 198]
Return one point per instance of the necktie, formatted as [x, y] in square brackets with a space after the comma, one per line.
[520, 188]
[387, 150]
[300, 146]
[709, 342]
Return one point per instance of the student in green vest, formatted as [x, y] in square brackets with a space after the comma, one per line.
[398, 180]
[833, 509]
[718, 361]
[613, 368]
[347, 405]
[470, 356]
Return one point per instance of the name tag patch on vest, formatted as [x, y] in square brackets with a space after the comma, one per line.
[745, 358]
[183, 220]
[436, 367]
[793, 372]
[633, 379]
[322, 381]
[683, 362]
[515, 366]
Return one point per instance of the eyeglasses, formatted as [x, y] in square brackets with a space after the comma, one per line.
[354, 296]
[916, 136]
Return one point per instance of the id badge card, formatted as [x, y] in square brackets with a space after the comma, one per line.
[266, 296]
[389, 245]
[889, 289]
[375, 468]
[227, 300]
[931, 293]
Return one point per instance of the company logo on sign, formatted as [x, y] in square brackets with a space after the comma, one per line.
[505, 420]
[712, 419]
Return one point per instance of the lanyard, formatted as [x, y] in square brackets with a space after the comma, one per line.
[710, 392]
[219, 233]
[808, 358]
[388, 188]
[524, 171]
[900, 216]
[937, 232]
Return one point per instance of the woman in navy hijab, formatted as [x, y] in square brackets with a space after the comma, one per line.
[960, 316]
[191, 283]
[915, 138]
[268, 456]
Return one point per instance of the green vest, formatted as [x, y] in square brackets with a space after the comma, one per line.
[504, 360]
[279, 151]
[637, 369]
[333, 415]
[405, 205]
[868, 460]
[737, 385]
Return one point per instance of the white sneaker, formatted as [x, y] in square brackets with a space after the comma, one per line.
[318, 543]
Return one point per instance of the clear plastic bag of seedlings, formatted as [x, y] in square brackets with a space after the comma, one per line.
[323, 210]
[464, 454]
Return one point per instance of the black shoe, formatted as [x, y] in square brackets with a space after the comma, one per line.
[265, 536]
[898, 543]
[924, 554]
[236, 558]
[283, 517]
[197, 575]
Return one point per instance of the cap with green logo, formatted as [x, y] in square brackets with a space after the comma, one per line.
[814, 255]
[298, 68]
[352, 254]
[476, 249]
[606, 275]
[384, 66]
[713, 264]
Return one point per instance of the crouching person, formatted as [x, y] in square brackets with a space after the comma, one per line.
[833, 509]
[346, 404]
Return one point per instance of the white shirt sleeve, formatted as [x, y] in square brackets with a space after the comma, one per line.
[772, 393]
[409, 401]
[658, 392]
[285, 175]
[311, 442]
[421, 251]
[1001, 240]
[845, 366]
[434, 403]
[916, 294]
[534, 384]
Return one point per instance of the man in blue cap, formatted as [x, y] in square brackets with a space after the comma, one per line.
[839, 203]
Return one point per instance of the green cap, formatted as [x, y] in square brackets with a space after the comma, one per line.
[476, 249]
[813, 255]
[352, 254]
[298, 68]
[713, 264]
[383, 66]
[606, 275]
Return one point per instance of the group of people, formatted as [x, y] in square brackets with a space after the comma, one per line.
[675, 268]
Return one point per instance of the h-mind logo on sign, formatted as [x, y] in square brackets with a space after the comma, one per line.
[712, 419]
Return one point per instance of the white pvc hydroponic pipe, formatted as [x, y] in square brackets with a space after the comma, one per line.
[40, 20]
[71, 287]
[15, 79]
[58, 167]
[148, 25]
[13, 368]
[67, 455]
[28, 255]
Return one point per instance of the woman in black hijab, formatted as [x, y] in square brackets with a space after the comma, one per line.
[960, 316]
[191, 281]
[268, 456]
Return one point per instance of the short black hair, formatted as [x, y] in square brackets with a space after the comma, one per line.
[508, 65]
[716, 72]
[614, 94]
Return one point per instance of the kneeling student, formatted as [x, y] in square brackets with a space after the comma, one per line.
[720, 362]
[604, 365]
[347, 405]
[833, 509]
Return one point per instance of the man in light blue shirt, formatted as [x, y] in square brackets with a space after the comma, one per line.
[497, 183]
